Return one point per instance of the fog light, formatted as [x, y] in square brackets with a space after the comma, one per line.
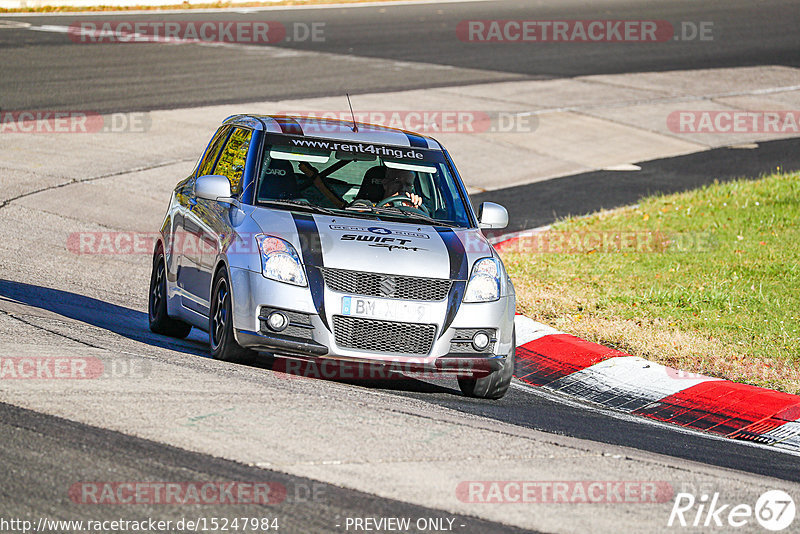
[277, 321]
[480, 341]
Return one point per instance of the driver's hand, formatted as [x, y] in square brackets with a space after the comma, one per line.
[415, 200]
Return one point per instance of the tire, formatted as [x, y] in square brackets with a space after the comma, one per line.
[160, 322]
[495, 384]
[220, 324]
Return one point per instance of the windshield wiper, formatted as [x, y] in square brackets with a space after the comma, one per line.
[305, 204]
[400, 213]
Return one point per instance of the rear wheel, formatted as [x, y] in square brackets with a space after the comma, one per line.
[160, 322]
[220, 329]
[495, 384]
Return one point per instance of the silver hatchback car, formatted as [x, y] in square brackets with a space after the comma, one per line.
[320, 239]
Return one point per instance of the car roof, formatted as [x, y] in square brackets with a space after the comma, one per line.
[334, 129]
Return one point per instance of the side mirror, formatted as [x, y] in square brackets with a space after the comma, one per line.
[213, 187]
[491, 215]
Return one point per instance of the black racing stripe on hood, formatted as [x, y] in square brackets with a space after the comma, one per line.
[459, 271]
[311, 251]
[289, 125]
[416, 140]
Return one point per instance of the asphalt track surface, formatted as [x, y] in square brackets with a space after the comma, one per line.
[522, 405]
[45, 70]
[44, 455]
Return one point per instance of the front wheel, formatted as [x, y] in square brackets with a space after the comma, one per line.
[160, 322]
[220, 329]
[495, 384]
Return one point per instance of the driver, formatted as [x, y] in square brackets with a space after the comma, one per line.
[400, 182]
[387, 184]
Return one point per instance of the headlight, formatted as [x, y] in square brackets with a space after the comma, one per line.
[279, 260]
[484, 283]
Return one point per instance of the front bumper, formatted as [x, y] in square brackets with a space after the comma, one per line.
[279, 344]
[253, 294]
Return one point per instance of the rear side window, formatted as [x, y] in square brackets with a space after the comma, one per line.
[234, 155]
[211, 154]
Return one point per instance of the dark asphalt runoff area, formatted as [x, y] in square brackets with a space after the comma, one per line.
[542, 203]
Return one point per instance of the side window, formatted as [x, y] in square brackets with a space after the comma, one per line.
[234, 155]
[213, 151]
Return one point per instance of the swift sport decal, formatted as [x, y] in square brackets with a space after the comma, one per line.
[311, 251]
[459, 271]
[390, 243]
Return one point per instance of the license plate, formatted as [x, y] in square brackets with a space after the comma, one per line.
[389, 310]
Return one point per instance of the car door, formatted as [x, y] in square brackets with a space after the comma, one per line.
[190, 277]
[212, 218]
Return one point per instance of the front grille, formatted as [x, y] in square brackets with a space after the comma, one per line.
[386, 286]
[383, 336]
[462, 340]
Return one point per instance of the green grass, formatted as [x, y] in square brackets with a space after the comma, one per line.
[719, 293]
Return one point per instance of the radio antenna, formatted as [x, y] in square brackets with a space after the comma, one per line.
[355, 126]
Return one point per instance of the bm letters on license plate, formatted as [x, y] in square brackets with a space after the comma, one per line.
[389, 310]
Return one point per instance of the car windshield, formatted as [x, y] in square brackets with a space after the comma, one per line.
[360, 179]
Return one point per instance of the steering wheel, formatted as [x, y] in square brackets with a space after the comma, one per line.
[401, 204]
[360, 203]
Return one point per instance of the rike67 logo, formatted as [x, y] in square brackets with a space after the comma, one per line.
[774, 510]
